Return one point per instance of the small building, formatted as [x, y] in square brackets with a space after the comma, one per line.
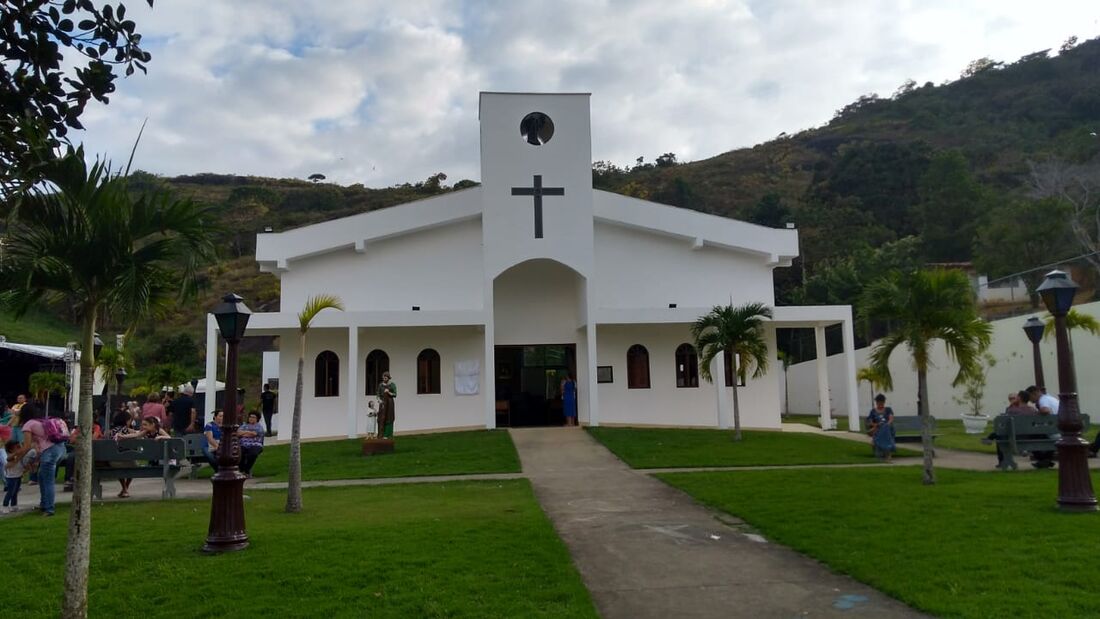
[481, 301]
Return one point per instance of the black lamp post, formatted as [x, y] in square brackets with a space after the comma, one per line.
[120, 375]
[227, 532]
[1074, 485]
[1034, 329]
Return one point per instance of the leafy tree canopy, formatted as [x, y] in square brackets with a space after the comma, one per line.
[41, 99]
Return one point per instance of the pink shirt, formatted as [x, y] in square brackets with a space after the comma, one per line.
[37, 432]
[154, 409]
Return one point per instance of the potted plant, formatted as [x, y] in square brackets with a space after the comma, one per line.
[974, 420]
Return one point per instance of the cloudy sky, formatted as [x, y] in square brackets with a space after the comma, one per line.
[382, 92]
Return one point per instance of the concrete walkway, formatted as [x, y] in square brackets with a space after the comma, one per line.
[645, 549]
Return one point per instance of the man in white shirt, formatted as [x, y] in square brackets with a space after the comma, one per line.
[1046, 403]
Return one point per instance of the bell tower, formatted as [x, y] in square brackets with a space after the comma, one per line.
[536, 171]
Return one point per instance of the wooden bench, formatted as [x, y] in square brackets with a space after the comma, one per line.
[192, 451]
[158, 457]
[906, 428]
[1021, 435]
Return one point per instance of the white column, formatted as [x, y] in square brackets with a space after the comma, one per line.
[210, 398]
[722, 402]
[593, 386]
[822, 376]
[353, 381]
[590, 355]
[489, 368]
[850, 386]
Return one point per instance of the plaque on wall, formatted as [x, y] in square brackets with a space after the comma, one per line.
[604, 374]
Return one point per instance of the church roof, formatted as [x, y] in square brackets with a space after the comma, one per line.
[275, 250]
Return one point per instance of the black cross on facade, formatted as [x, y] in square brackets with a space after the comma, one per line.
[538, 191]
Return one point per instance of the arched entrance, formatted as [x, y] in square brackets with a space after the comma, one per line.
[539, 316]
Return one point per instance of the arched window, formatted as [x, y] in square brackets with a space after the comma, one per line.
[637, 367]
[427, 371]
[326, 375]
[378, 363]
[687, 366]
[731, 362]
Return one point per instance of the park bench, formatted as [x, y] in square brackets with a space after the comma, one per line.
[192, 450]
[1021, 435]
[906, 428]
[161, 459]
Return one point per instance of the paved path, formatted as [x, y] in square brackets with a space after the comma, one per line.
[645, 549]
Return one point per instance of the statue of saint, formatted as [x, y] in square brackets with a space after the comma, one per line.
[387, 393]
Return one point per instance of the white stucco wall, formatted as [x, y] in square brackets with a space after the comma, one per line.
[327, 417]
[1014, 371]
[435, 269]
[638, 269]
[664, 403]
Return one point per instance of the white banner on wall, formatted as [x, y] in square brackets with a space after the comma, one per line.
[467, 377]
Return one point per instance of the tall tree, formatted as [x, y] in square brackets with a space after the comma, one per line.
[44, 89]
[1078, 185]
[314, 306]
[950, 200]
[740, 331]
[918, 308]
[1020, 237]
[83, 236]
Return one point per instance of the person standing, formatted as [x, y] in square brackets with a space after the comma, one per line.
[387, 393]
[569, 399]
[184, 416]
[880, 423]
[49, 454]
[154, 408]
[267, 405]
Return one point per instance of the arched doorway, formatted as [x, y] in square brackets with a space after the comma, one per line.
[538, 315]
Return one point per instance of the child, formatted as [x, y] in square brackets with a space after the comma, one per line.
[14, 466]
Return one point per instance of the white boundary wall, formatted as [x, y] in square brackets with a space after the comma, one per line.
[1014, 371]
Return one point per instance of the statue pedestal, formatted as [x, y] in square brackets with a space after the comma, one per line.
[375, 446]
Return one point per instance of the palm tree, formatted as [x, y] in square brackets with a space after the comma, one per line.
[80, 235]
[872, 377]
[313, 306]
[740, 331]
[108, 363]
[42, 384]
[919, 307]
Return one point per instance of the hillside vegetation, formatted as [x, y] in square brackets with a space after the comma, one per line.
[930, 173]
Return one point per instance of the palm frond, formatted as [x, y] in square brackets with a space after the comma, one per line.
[314, 305]
[1075, 320]
[739, 330]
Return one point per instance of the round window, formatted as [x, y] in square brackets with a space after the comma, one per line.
[536, 128]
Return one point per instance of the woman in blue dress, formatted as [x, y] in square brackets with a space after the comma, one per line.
[880, 424]
[569, 400]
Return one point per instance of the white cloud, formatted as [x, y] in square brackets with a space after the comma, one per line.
[386, 92]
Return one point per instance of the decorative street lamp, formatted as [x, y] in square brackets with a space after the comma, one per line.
[227, 532]
[1034, 330]
[97, 345]
[120, 375]
[1074, 485]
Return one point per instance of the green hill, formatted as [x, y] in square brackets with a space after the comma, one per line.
[914, 177]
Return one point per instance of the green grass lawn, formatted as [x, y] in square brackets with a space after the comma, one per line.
[644, 448]
[974, 545]
[951, 433]
[445, 453]
[456, 549]
[37, 328]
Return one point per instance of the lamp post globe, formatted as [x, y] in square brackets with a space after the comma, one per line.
[1034, 328]
[1074, 484]
[227, 530]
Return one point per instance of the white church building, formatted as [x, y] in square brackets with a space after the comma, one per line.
[480, 301]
